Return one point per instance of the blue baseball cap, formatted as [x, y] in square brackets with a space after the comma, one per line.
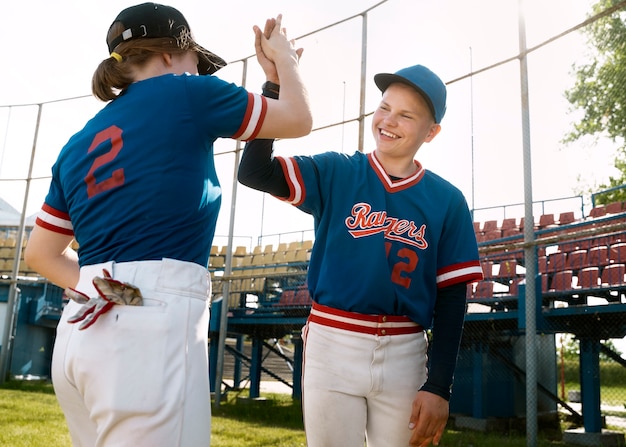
[427, 84]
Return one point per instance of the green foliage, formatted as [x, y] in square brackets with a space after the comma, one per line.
[600, 88]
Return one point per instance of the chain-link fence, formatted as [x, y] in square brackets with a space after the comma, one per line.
[535, 124]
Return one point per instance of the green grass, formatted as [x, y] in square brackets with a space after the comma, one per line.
[31, 417]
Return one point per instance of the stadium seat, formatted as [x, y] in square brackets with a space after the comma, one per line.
[598, 256]
[302, 298]
[216, 261]
[492, 234]
[614, 207]
[507, 269]
[556, 261]
[566, 217]
[613, 274]
[487, 269]
[511, 232]
[489, 225]
[576, 259]
[562, 281]
[287, 298]
[588, 277]
[484, 289]
[240, 250]
[617, 253]
[294, 245]
[259, 259]
[546, 220]
[597, 211]
[509, 223]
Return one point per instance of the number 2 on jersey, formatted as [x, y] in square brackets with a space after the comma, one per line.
[113, 134]
[407, 266]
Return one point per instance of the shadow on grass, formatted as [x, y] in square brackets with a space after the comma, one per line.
[33, 386]
[274, 410]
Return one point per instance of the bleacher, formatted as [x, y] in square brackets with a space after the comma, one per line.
[8, 251]
[578, 258]
[265, 278]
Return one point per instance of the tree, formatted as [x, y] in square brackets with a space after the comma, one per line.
[600, 88]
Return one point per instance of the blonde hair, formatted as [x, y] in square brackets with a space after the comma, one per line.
[113, 76]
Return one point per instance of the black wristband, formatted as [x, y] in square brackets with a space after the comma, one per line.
[271, 90]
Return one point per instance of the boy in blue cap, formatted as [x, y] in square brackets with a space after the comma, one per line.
[394, 250]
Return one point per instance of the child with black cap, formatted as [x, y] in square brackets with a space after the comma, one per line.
[394, 250]
[138, 190]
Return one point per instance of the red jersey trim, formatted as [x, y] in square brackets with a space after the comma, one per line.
[297, 192]
[465, 272]
[253, 118]
[54, 220]
[395, 185]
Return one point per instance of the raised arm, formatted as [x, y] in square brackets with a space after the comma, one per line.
[290, 115]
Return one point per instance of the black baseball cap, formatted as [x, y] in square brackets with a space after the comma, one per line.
[149, 20]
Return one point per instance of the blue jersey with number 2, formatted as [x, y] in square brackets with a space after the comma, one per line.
[382, 246]
[138, 182]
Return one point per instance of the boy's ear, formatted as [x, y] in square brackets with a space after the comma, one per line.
[434, 130]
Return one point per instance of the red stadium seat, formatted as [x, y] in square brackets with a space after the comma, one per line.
[546, 220]
[615, 207]
[566, 217]
[287, 298]
[598, 256]
[493, 234]
[617, 253]
[507, 269]
[562, 281]
[613, 275]
[556, 261]
[509, 224]
[588, 277]
[490, 225]
[484, 289]
[576, 260]
[303, 298]
[487, 269]
[597, 211]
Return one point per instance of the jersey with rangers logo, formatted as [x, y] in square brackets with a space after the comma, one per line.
[416, 234]
[159, 187]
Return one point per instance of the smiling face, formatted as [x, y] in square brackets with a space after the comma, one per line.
[401, 123]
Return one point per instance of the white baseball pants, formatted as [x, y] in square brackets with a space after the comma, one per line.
[139, 375]
[359, 387]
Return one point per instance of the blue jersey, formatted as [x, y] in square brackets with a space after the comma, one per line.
[382, 246]
[138, 182]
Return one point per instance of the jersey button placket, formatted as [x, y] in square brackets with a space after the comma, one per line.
[382, 319]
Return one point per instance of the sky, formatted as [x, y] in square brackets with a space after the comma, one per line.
[50, 50]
